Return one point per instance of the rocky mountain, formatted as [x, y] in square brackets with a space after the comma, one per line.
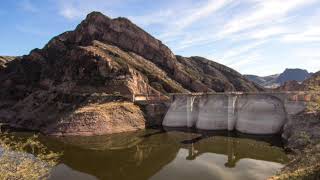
[264, 81]
[293, 75]
[277, 80]
[54, 89]
[306, 85]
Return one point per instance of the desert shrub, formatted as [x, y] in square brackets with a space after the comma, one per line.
[25, 159]
[314, 104]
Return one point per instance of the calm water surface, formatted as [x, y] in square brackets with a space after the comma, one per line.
[167, 155]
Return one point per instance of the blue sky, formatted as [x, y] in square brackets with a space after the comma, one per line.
[260, 37]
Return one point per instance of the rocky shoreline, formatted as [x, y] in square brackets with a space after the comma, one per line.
[302, 142]
[63, 114]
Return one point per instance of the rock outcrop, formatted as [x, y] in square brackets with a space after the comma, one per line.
[4, 60]
[303, 141]
[102, 56]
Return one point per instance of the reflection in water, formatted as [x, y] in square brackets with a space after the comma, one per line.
[155, 154]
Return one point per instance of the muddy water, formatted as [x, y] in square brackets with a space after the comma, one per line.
[167, 155]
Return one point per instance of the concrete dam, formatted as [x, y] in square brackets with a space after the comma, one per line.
[255, 113]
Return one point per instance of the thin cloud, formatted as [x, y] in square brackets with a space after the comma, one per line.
[242, 61]
[30, 30]
[233, 52]
[192, 15]
[27, 6]
[78, 9]
[263, 12]
[311, 34]
[268, 32]
[159, 17]
[207, 9]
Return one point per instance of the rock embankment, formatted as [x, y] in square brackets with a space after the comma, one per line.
[60, 114]
[302, 136]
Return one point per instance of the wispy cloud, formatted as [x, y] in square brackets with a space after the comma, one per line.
[246, 60]
[158, 17]
[311, 34]
[30, 30]
[204, 11]
[268, 32]
[26, 5]
[262, 13]
[233, 52]
[78, 9]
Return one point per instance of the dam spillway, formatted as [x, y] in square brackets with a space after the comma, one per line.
[260, 113]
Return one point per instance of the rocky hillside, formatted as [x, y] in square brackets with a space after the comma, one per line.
[276, 80]
[101, 56]
[264, 81]
[306, 85]
[5, 59]
[313, 81]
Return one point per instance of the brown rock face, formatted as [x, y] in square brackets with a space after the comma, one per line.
[313, 81]
[101, 56]
[291, 86]
[208, 75]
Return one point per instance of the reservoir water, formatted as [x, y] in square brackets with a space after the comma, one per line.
[167, 155]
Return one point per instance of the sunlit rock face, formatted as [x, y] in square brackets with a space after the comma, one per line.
[260, 114]
[246, 113]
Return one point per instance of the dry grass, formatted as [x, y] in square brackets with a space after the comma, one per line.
[27, 159]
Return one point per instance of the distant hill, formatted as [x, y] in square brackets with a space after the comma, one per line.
[308, 84]
[276, 80]
[293, 74]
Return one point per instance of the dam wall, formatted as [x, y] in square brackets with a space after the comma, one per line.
[264, 113]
